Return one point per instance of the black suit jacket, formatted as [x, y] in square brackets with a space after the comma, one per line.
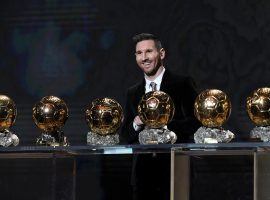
[146, 183]
[183, 93]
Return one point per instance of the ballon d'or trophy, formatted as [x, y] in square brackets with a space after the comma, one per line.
[50, 115]
[8, 113]
[258, 108]
[156, 110]
[212, 108]
[104, 117]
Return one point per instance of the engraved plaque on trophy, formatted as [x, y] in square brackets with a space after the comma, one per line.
[212, 108]
[50, 115]
[156, 110]
[104, 117]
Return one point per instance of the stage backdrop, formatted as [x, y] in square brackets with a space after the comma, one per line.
[82, 50]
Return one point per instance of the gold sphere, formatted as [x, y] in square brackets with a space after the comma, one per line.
[104, 116]
[50, 114]
[258, 107]
[156, 109]
[8, 112]
[212, 108]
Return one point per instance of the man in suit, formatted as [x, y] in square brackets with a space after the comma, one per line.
[151, 174]
[150, 58]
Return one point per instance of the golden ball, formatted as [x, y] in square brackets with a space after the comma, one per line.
[8, 112]
[258, 107]
[212, 108]
[156, 109]
[50, 114]
[104, 116]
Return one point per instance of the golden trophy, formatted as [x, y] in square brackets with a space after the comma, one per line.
[156, 110]
[8, 113]
[104, 117]
[258, 108]
[212, 108]
[50, 115]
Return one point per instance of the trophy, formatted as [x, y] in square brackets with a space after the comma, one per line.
[8, 113]
[104, 117]
[212, 108]
[258, 108]
[156, 110]
[50, 115]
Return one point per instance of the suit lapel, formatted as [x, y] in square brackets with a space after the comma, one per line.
[165, 85]
[139, 93]
[166, 81]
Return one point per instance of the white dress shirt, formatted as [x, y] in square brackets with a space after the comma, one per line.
[157, 80]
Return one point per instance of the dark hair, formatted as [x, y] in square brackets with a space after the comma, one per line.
[147, 36]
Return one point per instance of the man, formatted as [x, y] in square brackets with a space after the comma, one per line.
[151, 174]
[150, 58]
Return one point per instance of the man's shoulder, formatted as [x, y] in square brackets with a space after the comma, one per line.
[136, 86]
[179, 78]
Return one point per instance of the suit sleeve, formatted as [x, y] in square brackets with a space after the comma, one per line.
[184, 123]
[128, 135]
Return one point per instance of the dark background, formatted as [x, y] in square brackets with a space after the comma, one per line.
[82, 50]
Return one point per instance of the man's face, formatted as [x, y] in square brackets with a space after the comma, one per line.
[148, 57]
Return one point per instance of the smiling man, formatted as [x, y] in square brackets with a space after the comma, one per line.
[150, 57]
[151, 174]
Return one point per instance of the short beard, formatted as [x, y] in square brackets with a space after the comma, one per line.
[154, 71]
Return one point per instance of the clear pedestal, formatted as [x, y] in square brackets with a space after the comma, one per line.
[185, 171]
[220, 171]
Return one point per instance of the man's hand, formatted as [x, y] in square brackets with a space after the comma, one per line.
[138, 121]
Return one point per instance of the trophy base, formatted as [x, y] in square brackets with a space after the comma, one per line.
[96, 139]
[157, 136]
[212, 135]
[261, 132]
[55, 139]
[7, 138]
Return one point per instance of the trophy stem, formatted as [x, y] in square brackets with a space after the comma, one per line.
[97, 139]
[212, 135]
[55, 138]
[7, 138]
[157, 136]
[261, 132]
